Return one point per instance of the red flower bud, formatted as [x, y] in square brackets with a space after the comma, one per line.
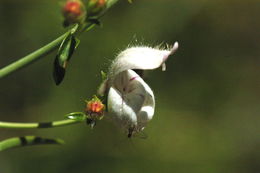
[95, 108]
[74, 11]
[101, 3]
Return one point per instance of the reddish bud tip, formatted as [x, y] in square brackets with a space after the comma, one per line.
[101, 3]
[95, 108]
[74, 11]
[96, 6]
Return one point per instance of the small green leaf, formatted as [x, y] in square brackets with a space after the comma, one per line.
[78, 116]
[77, 42]
[103, 76]
[63, 56]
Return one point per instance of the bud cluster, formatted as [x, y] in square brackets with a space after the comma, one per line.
[74, 11]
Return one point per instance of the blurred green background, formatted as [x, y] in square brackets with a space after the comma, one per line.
[208, 100]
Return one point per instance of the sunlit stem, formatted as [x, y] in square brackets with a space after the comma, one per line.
[14, 125]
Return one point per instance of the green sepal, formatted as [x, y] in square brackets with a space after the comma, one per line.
[103, 76]
[94, 98]
[63, 56]
[94, 20]
[102, 88]
[77, 42]
[78, 116]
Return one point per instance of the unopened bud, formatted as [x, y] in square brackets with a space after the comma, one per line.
[95, 108]
[96, 6]
[74, 12]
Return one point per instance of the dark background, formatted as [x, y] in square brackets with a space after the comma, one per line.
[208, 100]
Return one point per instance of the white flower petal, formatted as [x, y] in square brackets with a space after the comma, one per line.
[130, 101]
[129, 84]
[142, 58]
[138, 58]
[147, 111]
[121, 113]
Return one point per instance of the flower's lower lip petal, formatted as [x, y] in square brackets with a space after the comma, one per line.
[125, 102]
[134, 100]
[131, 88]
[146, 114]
[119, 110]
[147, 111]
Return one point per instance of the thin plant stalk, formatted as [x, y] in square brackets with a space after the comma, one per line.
[45, 50]
[15, 125]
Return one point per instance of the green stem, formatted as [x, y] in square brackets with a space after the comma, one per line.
[27, 141]
[37, 125]
[36, 55]
[23, 62]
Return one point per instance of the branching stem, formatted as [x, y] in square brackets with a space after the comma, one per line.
[36, 55]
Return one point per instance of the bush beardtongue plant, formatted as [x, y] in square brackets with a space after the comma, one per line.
[123, 95]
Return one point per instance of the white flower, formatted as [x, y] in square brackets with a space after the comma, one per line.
[130, 100]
